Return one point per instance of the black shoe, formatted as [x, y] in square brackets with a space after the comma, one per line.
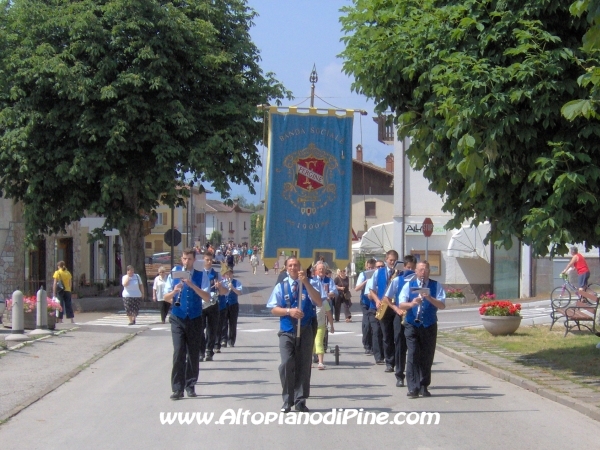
[412, 394]
[315, 359]
[201, 359]
[286, 408]
[223, 344]
[380, 362]
[301, 407]
[369, 352]
[399, 383]
[231, 344]
[425, 392]
[191, 392]
[389, 369]
[177, 395]
[217, 350]
[208, 358]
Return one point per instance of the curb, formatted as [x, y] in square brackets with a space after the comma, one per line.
[584, 408]
[60, 381]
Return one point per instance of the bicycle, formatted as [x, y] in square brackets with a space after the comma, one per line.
[561, 296]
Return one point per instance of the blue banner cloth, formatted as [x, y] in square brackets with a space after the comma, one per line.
[309, 186]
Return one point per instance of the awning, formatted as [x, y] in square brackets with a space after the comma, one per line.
[377, 240]
[468, 243]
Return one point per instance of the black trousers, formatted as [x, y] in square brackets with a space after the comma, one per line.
[186, 352]
[377, 336]
[64, 298]
[387, 332]
[337, 307]
[367, 333]
[164, 310]
[400, 347]
[209, 330]
[228, 323]
[294, 370]
[421, 349]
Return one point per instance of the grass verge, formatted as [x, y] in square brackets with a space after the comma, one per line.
[576, 354]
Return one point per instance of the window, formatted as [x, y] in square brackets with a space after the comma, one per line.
[161, 218]
[370, 210]
[199, 217]
[148, 245]
[230, 226]
[221, 226]
[244, 225]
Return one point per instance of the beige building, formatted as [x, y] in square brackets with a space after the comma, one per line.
[372, 193]
[233, 222]
[189, 221]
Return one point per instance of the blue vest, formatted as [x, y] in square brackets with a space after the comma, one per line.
[428, 315]
[190, 302]
[382, 280]
[407, 275]
[286, 323]
[364, 300]
[232, 297]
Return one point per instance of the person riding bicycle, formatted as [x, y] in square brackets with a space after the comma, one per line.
[580, 265]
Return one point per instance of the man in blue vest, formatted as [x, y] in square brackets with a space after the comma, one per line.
[392, 298]
[185, 322]
[292, 301]
[229, 317]
[361, 283]
[385, 327]
[211, 332]
[421, 298]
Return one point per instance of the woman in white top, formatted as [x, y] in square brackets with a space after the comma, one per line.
[158, 290]
[133, 291]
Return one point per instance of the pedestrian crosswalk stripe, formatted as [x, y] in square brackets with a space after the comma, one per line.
[120, 319]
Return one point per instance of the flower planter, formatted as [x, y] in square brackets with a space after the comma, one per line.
[29, 320]
[501, 325]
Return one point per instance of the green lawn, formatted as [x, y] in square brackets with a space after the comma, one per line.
[575, 354]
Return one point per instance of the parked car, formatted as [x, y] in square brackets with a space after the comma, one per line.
[162, 258]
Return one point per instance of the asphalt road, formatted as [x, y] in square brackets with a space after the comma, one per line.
[118, 401]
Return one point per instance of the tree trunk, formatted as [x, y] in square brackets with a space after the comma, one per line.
[133, 250]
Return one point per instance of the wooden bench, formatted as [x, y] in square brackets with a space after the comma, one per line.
[152, 270]
[577, 314]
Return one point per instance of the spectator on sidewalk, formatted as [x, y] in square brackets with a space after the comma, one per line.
[63, 282]
[133, 292]
[158, 293]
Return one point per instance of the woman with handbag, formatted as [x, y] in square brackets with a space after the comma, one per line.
[62, 290]
[133, 292]
[342, 282]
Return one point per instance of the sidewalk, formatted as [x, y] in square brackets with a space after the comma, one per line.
[28, 371]
[577, 392]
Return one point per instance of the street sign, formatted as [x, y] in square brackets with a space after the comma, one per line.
[174, 239]
[427, 227]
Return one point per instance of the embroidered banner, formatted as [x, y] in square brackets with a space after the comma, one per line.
[309, 186]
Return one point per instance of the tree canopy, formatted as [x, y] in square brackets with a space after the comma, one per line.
[478, 86]
[107, 107]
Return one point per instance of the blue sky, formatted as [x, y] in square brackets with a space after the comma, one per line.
[291, 37]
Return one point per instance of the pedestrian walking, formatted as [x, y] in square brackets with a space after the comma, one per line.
[158, 293]
[63, 281]
[133, 292]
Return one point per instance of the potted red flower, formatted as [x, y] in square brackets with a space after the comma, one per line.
[500, 317]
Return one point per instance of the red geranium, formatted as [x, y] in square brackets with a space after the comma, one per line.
[500, 308]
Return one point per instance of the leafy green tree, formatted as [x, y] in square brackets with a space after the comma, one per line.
[587, 107]
[215, 238]
[107, 107]
[478, 86]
